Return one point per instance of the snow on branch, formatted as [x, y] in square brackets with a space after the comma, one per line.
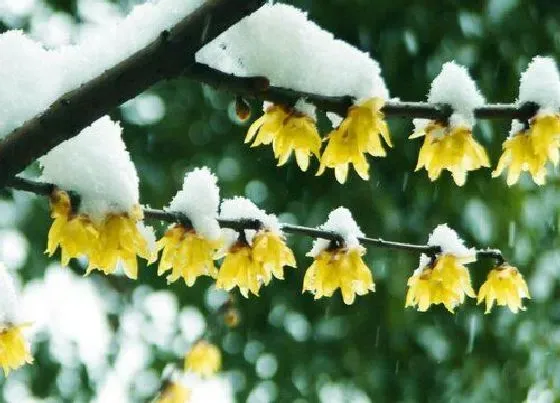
[45, 189]
[163, 58]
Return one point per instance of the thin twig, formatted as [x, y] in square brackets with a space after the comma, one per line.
[41, 188]
[258, 88]
[166, 57]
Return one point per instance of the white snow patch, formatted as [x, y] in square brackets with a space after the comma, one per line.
[306, 108]
[72, 312]
[279, 42]
[455, 87]
[32, 77]
[341, 222]
[8, 299]
[540, 84]
[240, 208]
[97, 166]
[450, 243]
[199, 200]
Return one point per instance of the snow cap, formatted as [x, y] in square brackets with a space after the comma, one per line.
[240, 208]
[540, 84]
[450, 243]
[295, 53]
[341, 222]
[455, 87]
[96, 165]
[199, 200]
[8, 299]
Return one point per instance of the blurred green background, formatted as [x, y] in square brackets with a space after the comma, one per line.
[288, 347]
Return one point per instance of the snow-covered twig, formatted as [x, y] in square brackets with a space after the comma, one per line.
[166, 57]
[29, 185]
[259, 88]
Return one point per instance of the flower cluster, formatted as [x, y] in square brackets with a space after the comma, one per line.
[449, 143]
[293, 129]
[189, 250]
[252, 257]
[117, 239]
[339, 264]
[444, 279]
[532, 144]
[105, 224]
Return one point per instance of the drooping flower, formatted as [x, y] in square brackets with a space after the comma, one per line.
[106, 226]
[115, 239]
[359, 134]
[532, 145]
[339, 268]
[14, 349]
[518, 156]
[187, 255]
[252, 257]
[339, 265]
[455, 150]
[189, 251]
[505, 286]
[443, 278]
[446, 281]
[174, 392]
[450, 145]
[203, 359]
[75, 234]
[289, 131]
[121, 241]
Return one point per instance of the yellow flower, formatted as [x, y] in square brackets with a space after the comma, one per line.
[506, 286]
[120, 240]
[174, 392]
[116, 238]
[339, 268]
[14, 350]
[76, 235]
[271, 252]
[359, 133]
[446, 281]
[530, 150]
[204, 359]
[187, 254]
[288, 131]
[248, 267]
[453, 149]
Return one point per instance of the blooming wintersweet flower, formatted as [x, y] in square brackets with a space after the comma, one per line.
[443, 280]
[453, 149]
[204, 359]
[339, 268]
[116, 238]
[359, 134]
[250, 266]
[530, 149]
[270, 251]
[289, 131]
[120, 241]
[75, 234]
[14, 350]
[505, 286]
[187, 254]
[174, 392]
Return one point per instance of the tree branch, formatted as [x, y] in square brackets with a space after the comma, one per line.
[258, 88]
[45, 189]
[166, 57]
